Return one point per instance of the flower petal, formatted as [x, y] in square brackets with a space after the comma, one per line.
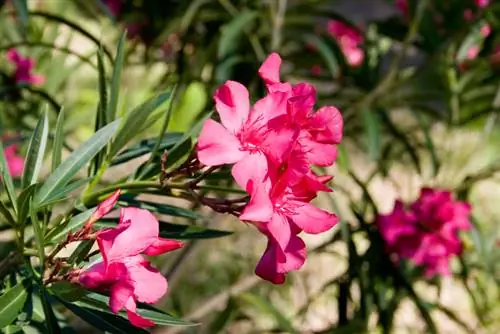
[313, 220]
[232, 102]
[269, 71]
[253, 167]
[326, 125]
[149, 284]
[161, 246]
[260, 207]
[121, 292]
[134, 318]
[105, 207]
[216, 146]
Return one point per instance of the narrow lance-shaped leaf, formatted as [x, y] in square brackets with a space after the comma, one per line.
[116, 78]
[36, 150]
[12, 302]
[57, 147]
[134, 120]
[231, 32]
[78, 158]
[7, 178]
[50, 318]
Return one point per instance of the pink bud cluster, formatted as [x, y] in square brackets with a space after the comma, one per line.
[272, 145]
[24, 68]
[15, 162]
[426, 232]
[124, 271]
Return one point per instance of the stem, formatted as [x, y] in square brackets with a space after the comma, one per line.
[279, 19]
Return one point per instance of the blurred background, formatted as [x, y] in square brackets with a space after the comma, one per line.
[417, 83]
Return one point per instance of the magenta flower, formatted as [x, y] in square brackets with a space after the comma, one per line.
[124, 271]
[349, 40]
[15, 162]
[272, 146]
[427, 232]
[114, 6]
[482, 3]
[24, 69]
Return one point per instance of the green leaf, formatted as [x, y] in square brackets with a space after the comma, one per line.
[36, 150]
[224, 318]
[231, 32]
[145, 147]
[38, 231]
[191, 105]
[326, 53]
[7, 178]
[61, 231]
[50, 318]
[101, 320]
[116, 78]
[21, 7]
[62, 193]
[67, 291]
[23, 204]
[100, 302]
[134, 120]
[78, 158]
[161, 208]
[173, 231]
[58, 141]
[12, 302]
[264, 306]
[372, 128]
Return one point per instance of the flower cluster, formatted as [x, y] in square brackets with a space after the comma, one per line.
[350, 41]
[24, 69]
[427, 232]
[124, 270]
[272, 145]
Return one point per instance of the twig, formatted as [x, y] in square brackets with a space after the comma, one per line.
[279, 19]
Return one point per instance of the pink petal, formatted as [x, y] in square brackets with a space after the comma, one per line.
[273, 270]
[216, 146]
[326, 125]
[270, 106]
[94, 277]
[105, 206]
[313, 220]
[280, 230]
[260, 207]
[138, 229]
[279, 143]
[121, 292]
[253, 167]
[319, 154]
[269, 71]
[134, 318]
[13, 56]
[233, 105]
[15, 164]
[149, 284]
[161, 246]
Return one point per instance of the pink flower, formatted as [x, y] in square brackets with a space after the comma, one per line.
[124, 271]
[402, 6]
[426, 232]
[349, 40]
[15, 162]
[272, 146]
[482, 3]
[244, 130]
[24, 68]
[114, 6]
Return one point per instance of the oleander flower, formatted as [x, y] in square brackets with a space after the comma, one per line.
[426, 232]
[124, 271]
[24, 68]
[349, 40]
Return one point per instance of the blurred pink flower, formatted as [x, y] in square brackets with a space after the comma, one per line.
[24, 69]
[129, 277]
[349, 40]
[482, 3]
[114, 6]
[402, 6]
[427, 232]
[15, 162]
